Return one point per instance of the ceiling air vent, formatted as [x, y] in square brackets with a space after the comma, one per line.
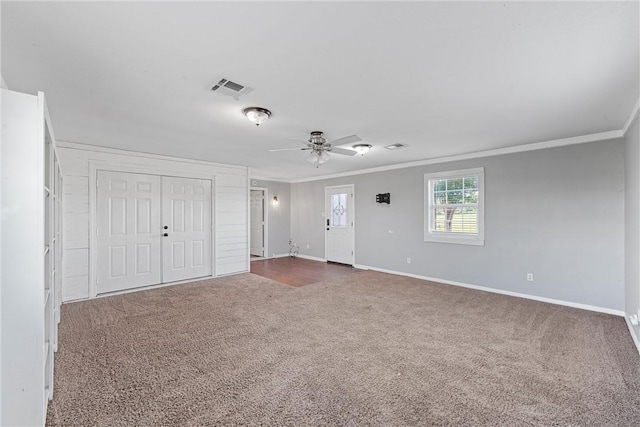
[395, 146]
[232, 89]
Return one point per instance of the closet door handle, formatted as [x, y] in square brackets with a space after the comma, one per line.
[166, 234]
[166, 227]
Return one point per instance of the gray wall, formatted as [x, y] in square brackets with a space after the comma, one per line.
[557, 213]
[632, 221]
[279, 216]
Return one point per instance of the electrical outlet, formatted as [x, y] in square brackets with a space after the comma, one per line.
[408, 260]
[529, 277]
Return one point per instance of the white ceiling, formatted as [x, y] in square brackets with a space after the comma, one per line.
[443, 78]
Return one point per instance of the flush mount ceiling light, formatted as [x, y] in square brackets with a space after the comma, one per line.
[257, 115]
[362, 149]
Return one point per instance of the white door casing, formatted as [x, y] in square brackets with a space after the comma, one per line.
[257, 207]
[186, 216]
[339, 224]
[128, 230]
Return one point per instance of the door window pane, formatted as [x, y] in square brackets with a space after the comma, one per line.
[339, 210]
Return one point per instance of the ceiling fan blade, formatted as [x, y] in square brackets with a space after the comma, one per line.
[346, 140]
[289, 149]
[343, 151]
[304, 141]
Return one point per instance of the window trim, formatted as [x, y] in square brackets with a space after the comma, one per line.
[455, 238]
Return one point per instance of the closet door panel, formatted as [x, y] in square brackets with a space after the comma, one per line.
[186, 216]
[129, 231]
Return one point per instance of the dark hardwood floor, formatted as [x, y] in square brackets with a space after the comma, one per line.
[298, 271]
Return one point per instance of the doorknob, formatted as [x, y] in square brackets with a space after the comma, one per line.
[166, 234]
[166, 227]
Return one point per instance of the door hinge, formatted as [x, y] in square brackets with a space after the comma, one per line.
[97, 183]
[351, 253]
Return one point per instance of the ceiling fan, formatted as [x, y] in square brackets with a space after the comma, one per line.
[319, 147]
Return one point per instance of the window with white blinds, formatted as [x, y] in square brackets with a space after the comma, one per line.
[454, 206]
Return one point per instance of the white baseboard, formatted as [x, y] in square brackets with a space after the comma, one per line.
[280, 255]
[74, 297]
[499, 291]
[312, 258]
[634, 333]
[159, 285]
[262, 258]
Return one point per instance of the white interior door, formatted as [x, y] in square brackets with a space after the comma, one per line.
[128, 233]
[257, 222]
[186, 217]
[339, 242]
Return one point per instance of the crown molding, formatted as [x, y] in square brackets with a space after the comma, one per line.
[602, 136]
[632, 117]
[582, 139]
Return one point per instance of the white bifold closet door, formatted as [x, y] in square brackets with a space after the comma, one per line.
[151, 230]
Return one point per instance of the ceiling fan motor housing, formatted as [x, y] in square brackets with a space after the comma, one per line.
[317, 137]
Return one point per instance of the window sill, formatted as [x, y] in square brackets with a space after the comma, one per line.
[453, 239]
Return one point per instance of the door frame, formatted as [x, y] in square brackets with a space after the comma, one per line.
[326, 215]
[265, 215]
[101, 165]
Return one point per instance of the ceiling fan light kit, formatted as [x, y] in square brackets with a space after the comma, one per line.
[257, 115]
[318, 157]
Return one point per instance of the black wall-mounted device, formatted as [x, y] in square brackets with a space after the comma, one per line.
[384, 198]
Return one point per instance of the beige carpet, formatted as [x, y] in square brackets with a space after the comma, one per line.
[367, 349]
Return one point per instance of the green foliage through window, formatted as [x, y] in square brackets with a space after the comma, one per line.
[455, 205]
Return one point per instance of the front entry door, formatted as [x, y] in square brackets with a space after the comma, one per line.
[257, 222]
[186, 228]
[339, 224]
[128, 230]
